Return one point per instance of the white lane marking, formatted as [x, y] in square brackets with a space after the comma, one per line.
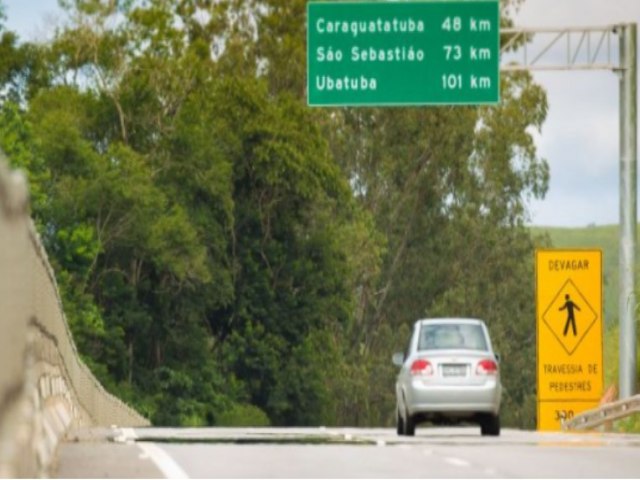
[166, 464]
[428, 452]
[381, 443]
[458, 462]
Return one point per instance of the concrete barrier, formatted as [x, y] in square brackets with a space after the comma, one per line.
[45, 388]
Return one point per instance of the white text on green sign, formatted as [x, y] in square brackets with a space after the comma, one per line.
[409, 53]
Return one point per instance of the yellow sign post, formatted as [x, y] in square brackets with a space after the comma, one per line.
[569, 334]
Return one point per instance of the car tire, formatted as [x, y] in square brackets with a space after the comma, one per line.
[399, 423]
[490, 425]
[409, 425]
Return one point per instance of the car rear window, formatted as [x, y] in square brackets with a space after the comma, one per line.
[466, 336]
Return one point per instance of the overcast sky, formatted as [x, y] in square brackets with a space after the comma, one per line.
[580, 138]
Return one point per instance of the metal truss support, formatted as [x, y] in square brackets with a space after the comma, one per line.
[586, 48]
[591, 48]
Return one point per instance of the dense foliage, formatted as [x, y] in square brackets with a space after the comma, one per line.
[227, 255]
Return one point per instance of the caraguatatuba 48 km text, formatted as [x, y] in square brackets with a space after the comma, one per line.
[413, 53]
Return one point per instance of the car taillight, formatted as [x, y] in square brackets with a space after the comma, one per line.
[487, 367]
[421, 367]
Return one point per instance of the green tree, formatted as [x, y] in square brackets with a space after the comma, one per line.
[226, 254]
[291, 205]
[189, 215]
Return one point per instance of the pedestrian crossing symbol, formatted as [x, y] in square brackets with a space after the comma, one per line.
[569, 317]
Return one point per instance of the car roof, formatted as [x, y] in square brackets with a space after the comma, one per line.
[473, 321]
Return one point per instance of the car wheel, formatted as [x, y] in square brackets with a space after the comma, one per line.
[490, 425]
[409, 425]
[399, 423]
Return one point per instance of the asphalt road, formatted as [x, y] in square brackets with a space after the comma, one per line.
[345, 453]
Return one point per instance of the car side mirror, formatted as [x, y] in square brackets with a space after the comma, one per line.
[497, 355]
[398, 359]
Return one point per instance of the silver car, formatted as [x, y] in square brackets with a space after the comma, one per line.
[450, 374]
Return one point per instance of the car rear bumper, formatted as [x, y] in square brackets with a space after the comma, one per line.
[423, 398]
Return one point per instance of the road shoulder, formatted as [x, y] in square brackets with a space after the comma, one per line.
[93, 453]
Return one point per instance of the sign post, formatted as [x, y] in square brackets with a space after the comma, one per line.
[403, 53]
[569, 334]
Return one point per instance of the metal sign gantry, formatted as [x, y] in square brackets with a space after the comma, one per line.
[585, 48]
[590, 48]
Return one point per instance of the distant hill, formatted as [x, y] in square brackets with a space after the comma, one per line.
[602, 237]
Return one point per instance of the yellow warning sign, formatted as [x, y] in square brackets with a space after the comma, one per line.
[569, 332]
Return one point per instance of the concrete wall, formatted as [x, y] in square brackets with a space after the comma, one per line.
[45, 389]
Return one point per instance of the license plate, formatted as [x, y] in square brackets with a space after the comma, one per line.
[454, 370]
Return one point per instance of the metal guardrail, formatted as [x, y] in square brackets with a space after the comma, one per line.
[601, 415]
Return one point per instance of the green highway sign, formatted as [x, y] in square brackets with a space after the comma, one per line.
[403, 53]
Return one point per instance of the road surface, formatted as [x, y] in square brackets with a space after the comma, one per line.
[345, 453]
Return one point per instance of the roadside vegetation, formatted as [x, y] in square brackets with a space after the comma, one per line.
[227, 255]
